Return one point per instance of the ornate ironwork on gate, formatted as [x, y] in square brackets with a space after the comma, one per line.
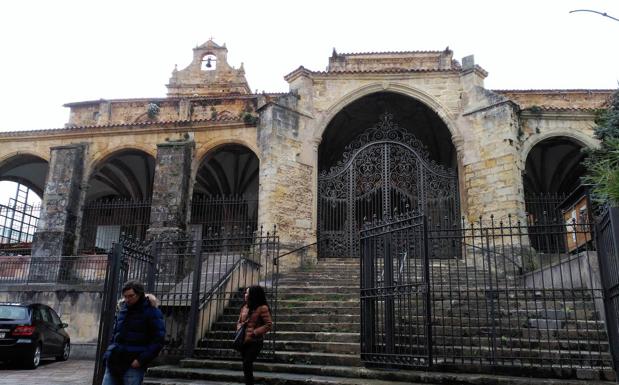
[384, 170]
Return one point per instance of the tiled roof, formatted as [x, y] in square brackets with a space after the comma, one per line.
[185, 122]
[554, 91]
[559, 109]
[164, 99]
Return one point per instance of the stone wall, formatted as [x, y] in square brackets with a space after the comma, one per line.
[286, 182]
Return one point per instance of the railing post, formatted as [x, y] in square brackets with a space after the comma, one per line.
[428, 288]
[108, 310]
[195, 301]
[491, 294]
[608, 259]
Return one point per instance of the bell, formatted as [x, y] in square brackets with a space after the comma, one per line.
[208, 62]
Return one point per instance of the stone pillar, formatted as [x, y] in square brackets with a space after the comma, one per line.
[286, 175]
[56, 232]
[171, 191]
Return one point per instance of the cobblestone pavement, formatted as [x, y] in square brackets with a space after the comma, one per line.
[72, 372]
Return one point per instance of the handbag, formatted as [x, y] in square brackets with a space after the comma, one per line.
[239, 337]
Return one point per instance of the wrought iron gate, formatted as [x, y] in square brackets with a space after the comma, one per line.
[383, 171]
[496, 305]
[395, 293]
[608, 245]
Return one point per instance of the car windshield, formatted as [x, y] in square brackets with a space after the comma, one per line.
[13, 312]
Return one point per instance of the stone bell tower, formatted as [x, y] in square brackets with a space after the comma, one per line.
[209, 74]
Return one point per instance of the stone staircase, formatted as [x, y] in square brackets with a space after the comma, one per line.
[318, 334]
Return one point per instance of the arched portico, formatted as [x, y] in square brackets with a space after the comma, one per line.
[225, 190]
[382, 154]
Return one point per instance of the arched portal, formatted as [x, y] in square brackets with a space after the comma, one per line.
[382, 155]
[225, 193]
[553, 170]
[118, 200]
[22, 181]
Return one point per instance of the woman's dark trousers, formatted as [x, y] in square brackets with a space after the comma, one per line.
[249, 353]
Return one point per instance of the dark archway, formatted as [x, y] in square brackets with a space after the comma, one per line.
[412, 115]
[28, 170]
[553, 170]
[554, 165]
[126, 174]
[225, 193]
[22, 182]
[382, 155]
[118, 200]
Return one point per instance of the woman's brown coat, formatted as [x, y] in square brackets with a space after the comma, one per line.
[259, 323]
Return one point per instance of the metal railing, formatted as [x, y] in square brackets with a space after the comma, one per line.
[498, 305]
[104, 222]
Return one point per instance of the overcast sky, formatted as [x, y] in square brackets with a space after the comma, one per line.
[54, 52]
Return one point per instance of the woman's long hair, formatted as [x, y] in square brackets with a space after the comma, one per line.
[256, 298]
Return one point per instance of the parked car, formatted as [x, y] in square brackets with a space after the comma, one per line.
[31, 332]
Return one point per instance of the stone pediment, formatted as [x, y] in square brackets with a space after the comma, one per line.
[393, 61]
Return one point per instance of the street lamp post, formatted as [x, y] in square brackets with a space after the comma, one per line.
[599, 13]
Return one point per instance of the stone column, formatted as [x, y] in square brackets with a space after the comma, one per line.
[57, 227]
[171, 191]
[286, 176]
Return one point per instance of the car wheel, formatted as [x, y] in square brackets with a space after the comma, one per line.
[35, 358]
[66, 350]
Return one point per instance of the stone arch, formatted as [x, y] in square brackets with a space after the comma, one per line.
[125, 171]
[225, 189]
[103, 155]
[417, 94]
[216, 146]
[27, 168]
[579, 137]
[552, 162]
[208, 148]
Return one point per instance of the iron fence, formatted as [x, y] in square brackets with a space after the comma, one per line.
[499, 305]
[608, 244]
[221, 215]
[198, 284]
[103, 222]
[66, 269]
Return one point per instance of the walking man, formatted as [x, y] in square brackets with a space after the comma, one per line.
[138, 336]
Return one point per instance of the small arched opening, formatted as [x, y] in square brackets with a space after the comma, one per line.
[225, 193]
[118, 200]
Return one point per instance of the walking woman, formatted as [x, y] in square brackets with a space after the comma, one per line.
[256, 313]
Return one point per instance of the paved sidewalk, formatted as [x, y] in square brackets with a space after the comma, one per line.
[72, 372]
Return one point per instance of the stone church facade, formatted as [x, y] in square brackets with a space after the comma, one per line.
[211, 136]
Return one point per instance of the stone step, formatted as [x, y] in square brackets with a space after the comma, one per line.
[293, 346]
[291, 310]
[313, 318]
[363, 374]
[318, 289]
[305, 358]
[297, 336]
[334, 327]
[222, 376]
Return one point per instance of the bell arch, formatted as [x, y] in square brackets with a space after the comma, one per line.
[381, 155]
